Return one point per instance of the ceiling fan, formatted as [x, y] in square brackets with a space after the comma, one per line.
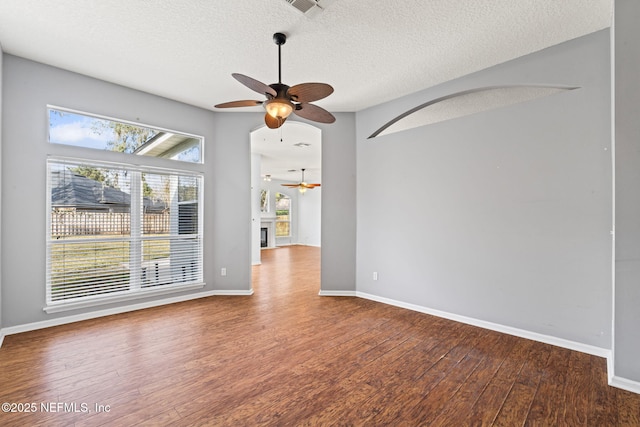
[283, 100]
[302, 186]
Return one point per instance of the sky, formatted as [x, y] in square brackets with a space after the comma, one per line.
[74, 129]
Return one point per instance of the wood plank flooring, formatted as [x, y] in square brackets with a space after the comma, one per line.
[286, 356]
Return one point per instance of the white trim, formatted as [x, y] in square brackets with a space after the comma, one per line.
[123, 164]
[610, 368]
[324, 293]
[101, 313]
[123, 297]
[1, 337]
[612, 51]
[625, 384]
[547, 339]
[233, 292]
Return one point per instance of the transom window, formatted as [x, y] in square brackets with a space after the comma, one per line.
[84, 130]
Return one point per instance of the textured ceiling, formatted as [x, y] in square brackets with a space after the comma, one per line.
[295, 145]
[370, 51]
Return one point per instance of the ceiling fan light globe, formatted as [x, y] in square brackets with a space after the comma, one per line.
[278, 108]
[302, 190]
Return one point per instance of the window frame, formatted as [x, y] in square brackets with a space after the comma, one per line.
[136, 289]
[143, 158]
[111, 158]
[289, 215]
[264, 207]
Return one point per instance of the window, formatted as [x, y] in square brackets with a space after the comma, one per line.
[121, 230]
[283, 215]
[117, 230]
[84, 130]
[264, 201]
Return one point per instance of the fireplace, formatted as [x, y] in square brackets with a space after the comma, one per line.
[268, 232]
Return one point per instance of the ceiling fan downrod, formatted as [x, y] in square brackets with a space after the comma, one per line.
[279, 39]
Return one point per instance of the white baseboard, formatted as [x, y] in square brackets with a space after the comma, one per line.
[625, 384]
[547, 339]
[337, 293]
[1, 338]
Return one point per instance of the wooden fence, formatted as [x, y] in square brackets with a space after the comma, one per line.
[74, 223]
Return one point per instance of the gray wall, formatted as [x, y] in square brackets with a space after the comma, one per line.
[338, 272]
[502, 216]
[627, 194]
[338, 194]
[1, 132]
[231, 238]
[28, 88]
[309, 217]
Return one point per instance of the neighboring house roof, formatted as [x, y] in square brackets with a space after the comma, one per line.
[76, 191]
[166, 145]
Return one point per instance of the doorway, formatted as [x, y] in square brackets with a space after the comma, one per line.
[281, 215]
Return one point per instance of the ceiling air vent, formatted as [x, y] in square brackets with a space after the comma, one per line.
[302, 5]
[310, 7]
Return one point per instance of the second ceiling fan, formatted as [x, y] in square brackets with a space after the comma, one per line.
[282, 100]
[302, 186]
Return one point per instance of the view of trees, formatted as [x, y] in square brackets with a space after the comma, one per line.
[126, 138]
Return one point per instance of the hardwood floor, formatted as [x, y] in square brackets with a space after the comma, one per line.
[286, 356]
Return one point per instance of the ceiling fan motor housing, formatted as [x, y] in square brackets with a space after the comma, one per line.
[279, 39]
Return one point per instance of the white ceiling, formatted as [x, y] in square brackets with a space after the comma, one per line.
[370, 51]
[288, 149]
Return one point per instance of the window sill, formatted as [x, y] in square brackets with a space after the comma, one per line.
[132, 295]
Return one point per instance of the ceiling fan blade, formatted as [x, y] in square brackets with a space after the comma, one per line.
[273, 122]
[309, 92]
[254, 84]
[246, 103]
[290, 185]
[312, 185]
[314, 113]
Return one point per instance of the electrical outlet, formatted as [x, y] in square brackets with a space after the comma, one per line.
[375, 275]
[223, 271]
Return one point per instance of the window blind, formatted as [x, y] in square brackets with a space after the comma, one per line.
[118, 229]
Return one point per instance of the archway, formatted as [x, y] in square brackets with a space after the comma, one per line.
[277, 157]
